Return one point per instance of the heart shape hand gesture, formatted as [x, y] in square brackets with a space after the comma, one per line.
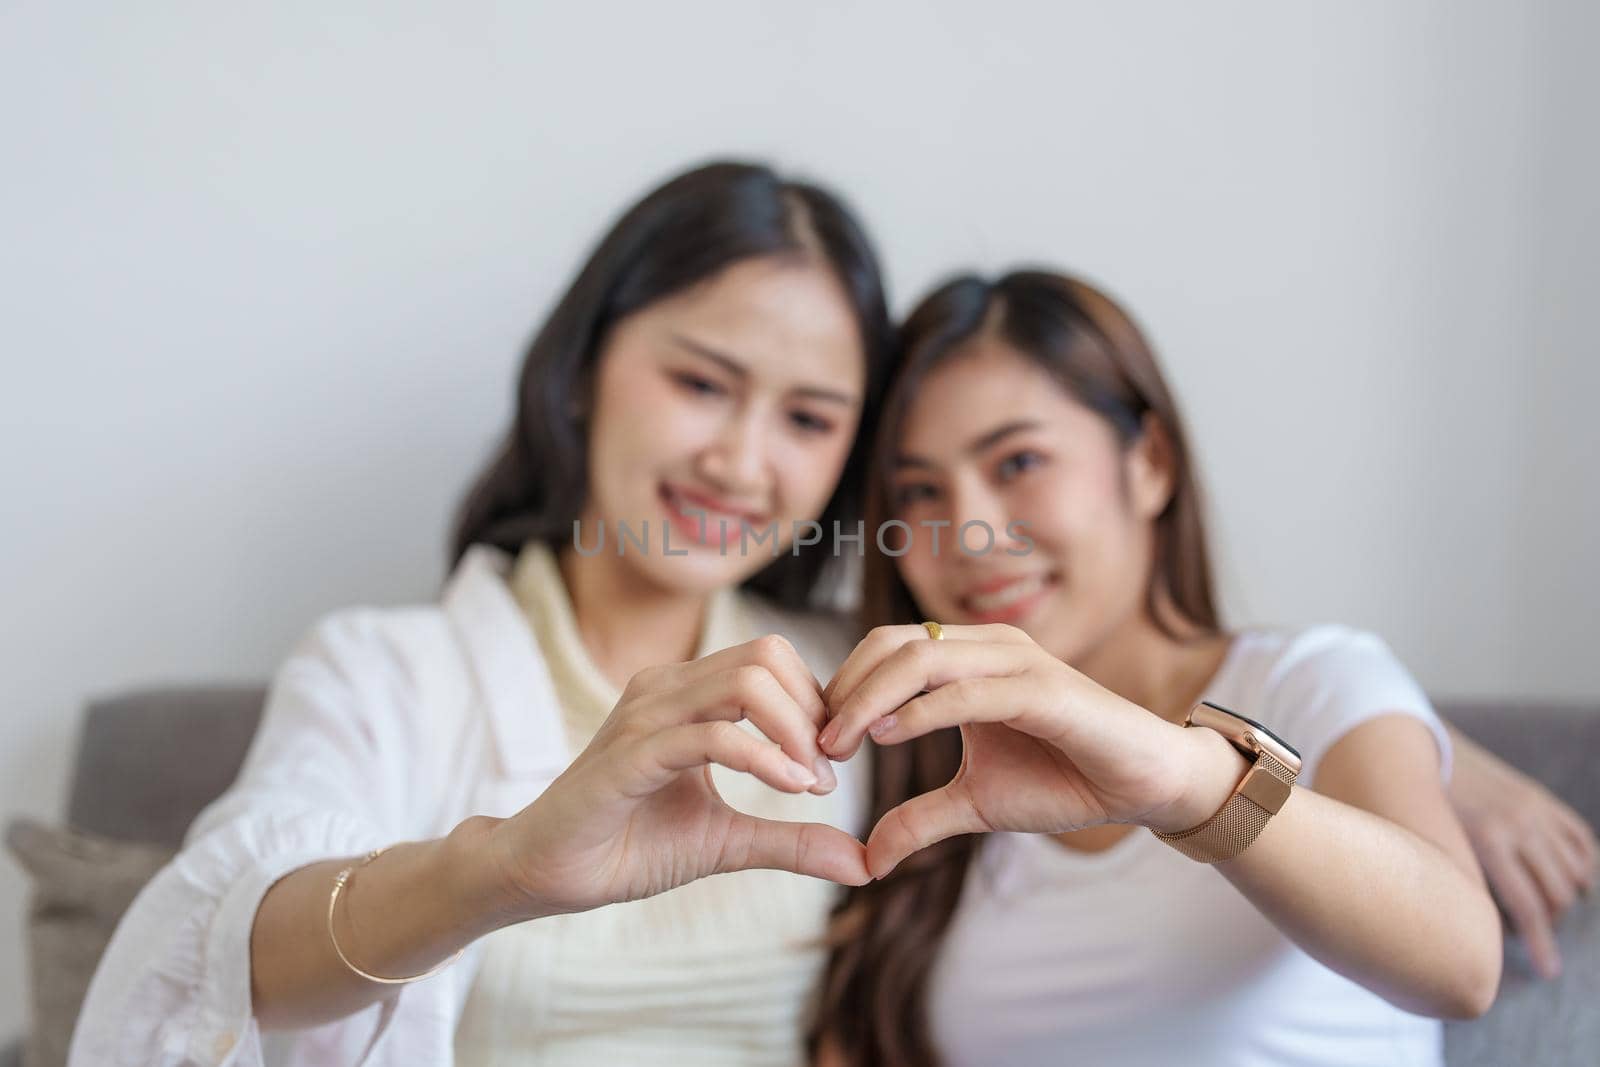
[1045, 748]
[637, 812]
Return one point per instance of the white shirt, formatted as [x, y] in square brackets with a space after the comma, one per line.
[383, 726]
[1139, 956]
[719, 971]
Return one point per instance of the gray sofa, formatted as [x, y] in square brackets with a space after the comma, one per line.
[149, 760]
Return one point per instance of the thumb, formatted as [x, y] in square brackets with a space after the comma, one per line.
[809, 848]
[919, 822]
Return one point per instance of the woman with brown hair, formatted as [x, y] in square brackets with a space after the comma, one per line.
[1028, 738]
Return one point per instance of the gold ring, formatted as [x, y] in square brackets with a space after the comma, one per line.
[935, 631]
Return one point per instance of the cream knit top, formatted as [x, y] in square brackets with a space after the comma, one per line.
[719, 971]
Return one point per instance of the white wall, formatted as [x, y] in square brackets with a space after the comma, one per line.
[1557, 510]
[265, 273]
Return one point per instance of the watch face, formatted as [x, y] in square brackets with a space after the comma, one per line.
[1255, 725]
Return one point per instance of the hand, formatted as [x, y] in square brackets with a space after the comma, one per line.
[637, 813]
[1536, 852]
[1045, 749]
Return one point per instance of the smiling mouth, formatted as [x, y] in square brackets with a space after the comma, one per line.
[691, 507]
[1014, 594]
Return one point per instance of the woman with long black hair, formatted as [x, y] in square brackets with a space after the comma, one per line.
[605, 706]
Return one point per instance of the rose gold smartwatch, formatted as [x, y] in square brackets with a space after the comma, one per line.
[1257, 797]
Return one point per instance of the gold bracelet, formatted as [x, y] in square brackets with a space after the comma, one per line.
[339, 882]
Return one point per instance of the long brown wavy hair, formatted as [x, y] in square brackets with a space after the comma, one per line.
[886, 935]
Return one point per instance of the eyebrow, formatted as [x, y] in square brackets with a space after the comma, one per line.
[742, 372]
[980, 444]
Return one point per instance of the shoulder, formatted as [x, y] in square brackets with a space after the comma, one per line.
[823, 638]
[373, 637]
[1315, 684]
[372, 660]
[1310, 661]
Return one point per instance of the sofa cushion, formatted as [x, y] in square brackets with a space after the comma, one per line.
[81, 885]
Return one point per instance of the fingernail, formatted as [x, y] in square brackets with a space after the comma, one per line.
[883, 725]
[830, 734]
[800, 776]
[826, 779]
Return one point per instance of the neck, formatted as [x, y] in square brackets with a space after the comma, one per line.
[1141, 662]
[626, 622]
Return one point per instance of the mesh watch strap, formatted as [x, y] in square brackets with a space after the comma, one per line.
[1237, 823]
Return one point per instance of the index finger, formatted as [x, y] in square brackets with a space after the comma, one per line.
[884, 641]
[913, 669]
[771, 651]
[879, 642]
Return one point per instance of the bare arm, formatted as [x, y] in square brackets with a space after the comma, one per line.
[1377, 827]
[399, 915]
[1370, 874]
[634, 815]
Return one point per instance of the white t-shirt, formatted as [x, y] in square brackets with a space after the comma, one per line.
[1137, 955]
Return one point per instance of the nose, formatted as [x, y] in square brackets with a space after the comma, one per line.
[972, 500]
[735, 459]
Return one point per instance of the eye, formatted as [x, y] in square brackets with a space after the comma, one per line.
[1018, 463]
[911, 493]
[696, 384]
[808, 423]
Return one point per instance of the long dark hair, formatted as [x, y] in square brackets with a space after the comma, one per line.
[683, 232]
[886, 934]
